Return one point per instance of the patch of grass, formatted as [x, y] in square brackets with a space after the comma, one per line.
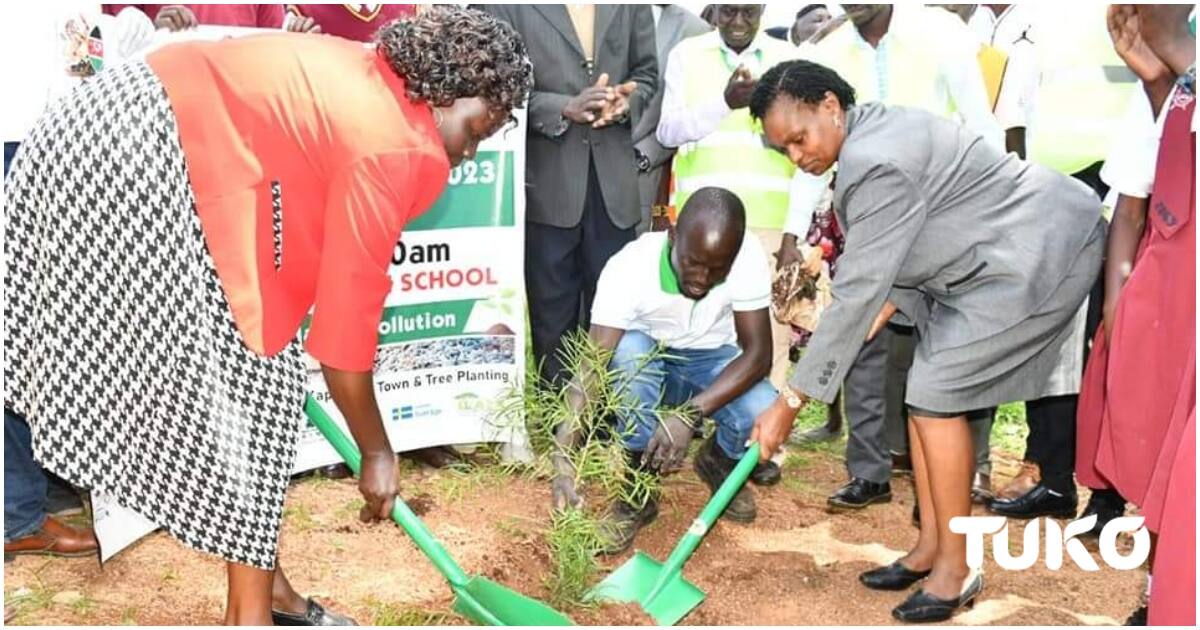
[574, 539]
[389, 614]
[349, 510]
[83, 605]
[31, 598]
[317, 480]
[1010, 429]
[170, 575]
[812, 415]
[512, 527]
[300, 517]
[796, 460]
[455, 483]
[129, 616]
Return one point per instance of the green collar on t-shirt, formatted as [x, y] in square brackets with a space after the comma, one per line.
[666, 274]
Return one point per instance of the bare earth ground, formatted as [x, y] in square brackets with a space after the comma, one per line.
[797, 565]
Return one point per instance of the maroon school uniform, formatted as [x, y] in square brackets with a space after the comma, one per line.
[352, 21]
[253, 15]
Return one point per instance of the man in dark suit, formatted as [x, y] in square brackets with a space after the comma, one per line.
[672, 24]
[594, 73]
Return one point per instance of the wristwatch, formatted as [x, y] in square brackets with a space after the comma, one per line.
[794, 401]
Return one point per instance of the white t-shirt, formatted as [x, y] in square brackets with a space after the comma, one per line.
[1129, 167]
[634, 294]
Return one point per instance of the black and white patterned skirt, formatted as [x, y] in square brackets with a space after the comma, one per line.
[121, 350]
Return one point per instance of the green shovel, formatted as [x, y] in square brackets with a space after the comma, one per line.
[660, 588]
[478, 598]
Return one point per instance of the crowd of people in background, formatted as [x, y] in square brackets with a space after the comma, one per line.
[669, 205]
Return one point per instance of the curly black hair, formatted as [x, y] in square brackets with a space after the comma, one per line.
[802, 80]
[447, 52]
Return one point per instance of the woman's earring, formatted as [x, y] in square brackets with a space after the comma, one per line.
[837, 121]
[437, 118]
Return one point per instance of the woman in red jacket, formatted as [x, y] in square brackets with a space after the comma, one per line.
[171, 223]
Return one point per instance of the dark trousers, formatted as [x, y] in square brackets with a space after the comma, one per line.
[562, 266]
[10, 151]
[1051, 440]
[24, 482]
[893, 384]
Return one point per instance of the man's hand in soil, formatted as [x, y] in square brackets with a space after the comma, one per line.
[379, 484]
[563, 493]
[739, 88]
[668, 447]
[585, 108]
[175, 17]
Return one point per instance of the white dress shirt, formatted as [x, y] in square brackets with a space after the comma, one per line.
[681, 124]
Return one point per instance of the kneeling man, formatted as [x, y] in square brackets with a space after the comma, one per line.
[694, 301]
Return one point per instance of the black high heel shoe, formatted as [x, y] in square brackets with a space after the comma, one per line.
[921, 607]
[893, 577]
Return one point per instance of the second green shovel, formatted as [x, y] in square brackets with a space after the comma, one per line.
[659, 588]
[477, 598]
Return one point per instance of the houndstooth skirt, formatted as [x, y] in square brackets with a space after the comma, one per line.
[121, 350]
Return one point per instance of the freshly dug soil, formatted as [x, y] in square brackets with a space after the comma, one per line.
[796, 565]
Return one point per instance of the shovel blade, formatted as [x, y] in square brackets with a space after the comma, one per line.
[488, 603]
[634, 581]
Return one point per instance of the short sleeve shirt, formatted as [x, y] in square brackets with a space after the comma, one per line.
[638, 290]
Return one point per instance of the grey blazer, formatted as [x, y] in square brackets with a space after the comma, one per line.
[557, 154]
[946, 227]
[674, 25]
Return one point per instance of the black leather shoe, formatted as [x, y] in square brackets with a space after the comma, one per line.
[858, 494]
[314, 615]
[1105, 510]
[624, 520]
[1041, 501]
[713, 466]
[902, 465]
[921, 607]
[893, 577]
[622, 523]
[1138, 617]
[766, 474]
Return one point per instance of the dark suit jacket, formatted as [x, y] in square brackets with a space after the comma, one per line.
[557, 155]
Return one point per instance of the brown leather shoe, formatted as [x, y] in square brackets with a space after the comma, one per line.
[55, 538]
[1028, 477]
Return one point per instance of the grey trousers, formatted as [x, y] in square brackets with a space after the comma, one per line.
[876, 414]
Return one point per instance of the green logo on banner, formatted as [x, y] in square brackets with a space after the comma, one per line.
[424, 321]
[478, 194]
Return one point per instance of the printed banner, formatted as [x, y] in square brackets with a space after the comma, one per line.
[452, 335]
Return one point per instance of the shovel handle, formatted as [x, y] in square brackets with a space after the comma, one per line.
[709, 515]
[401, 513]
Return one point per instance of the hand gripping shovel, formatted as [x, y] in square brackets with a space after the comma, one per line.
[478, 598]
[660, 588]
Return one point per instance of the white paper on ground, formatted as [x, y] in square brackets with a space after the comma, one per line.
[116, 526]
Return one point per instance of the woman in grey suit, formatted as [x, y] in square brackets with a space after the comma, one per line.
[988, 256]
